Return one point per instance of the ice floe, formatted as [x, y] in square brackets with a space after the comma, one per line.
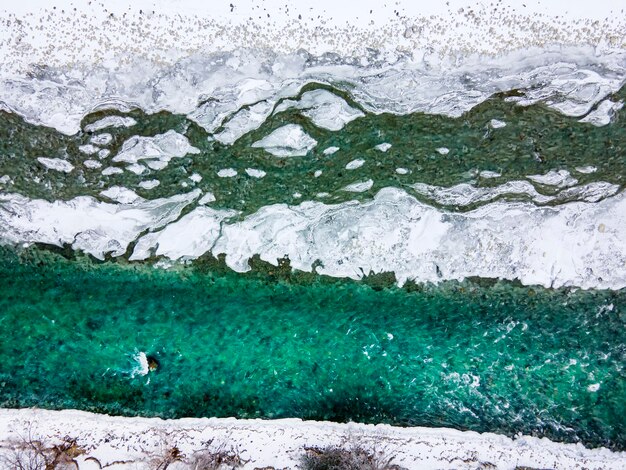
[354, 164]
[110, 121]
[497, 124]
[603, 114]
[156, 151]
[359, 187]
[254, 173]
[244, 121]
[57, 164]
[324, 109]
[88, 149]
[112, 170]
[207, 198]
[101, 139]
[465, 194]
[227, 173]
[93, 164]
[287, 141]
[173, 241]
[573, 244]
[586, 169]
[149, 184]
[558, 178]
[120, 194]
[489, 174]
[84, 222]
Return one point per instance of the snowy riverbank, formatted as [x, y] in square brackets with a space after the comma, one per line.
[138, 443]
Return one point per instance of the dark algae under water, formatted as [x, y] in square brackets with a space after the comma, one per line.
[478, 355]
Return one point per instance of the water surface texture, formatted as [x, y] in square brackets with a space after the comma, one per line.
[302, 214]
[494, 357]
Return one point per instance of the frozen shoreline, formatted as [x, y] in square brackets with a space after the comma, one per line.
[392, 233]
[59, 64]
[138, 442]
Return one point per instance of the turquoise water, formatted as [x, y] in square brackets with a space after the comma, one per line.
[479, 355]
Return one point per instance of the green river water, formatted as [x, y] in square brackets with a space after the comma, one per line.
[478, 355]
[485, 356]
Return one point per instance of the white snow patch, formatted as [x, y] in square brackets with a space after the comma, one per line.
[330, 150]
[383, 147]
[133, 443]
